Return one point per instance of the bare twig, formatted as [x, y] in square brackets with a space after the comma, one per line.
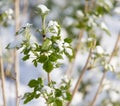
[92, 4]
[86, 6]
[103, 77]
[71, 65]
[80, 77]
[48, 75]
[25, 7]
[16, 60]
[2, 78]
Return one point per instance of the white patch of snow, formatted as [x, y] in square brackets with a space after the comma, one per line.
[79, 14]
[99, 50]
[44, 10]
[47, 89]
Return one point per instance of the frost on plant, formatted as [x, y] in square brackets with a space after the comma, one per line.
[5, 17]
[47, 54]
[42, 9]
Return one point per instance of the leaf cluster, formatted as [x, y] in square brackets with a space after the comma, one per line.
[52, 94]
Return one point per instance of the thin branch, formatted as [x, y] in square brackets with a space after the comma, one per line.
[103, 77]
[16, 60]
[2, 78]
[80, 77]
[49, 80]
[25, 9]
[92, 4]
[44, 38]
[86, 6]
[71, 65]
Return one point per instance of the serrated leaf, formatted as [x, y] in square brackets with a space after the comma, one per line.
[48, 66]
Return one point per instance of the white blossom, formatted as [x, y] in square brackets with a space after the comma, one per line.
[43, 9]
[99, 50]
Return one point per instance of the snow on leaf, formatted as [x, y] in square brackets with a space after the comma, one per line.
[9, 11]
[53, 27]
[105, 28]
[79, 14]
[47, 89]
[69, 51]
[16, 43]
[43, 9]
[99, 50]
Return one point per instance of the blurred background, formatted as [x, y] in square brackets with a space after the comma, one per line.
[66, 12]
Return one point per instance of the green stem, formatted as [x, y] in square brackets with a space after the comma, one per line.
[43, 25]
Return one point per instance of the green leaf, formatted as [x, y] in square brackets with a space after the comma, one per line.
[26, 57]
[58, 102]
[35, 63]
[53, 57]
[29, 97]
[68, 96]
[68, 54]
[50, 100]
[48, 66]
[105, 28]
[37, 96]
[59, 56]
[58, 92]
[42, 58]
[40, 81]
[26, 50]
[33, 83]
[54, 38]
[68, 40]
[46, 44]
